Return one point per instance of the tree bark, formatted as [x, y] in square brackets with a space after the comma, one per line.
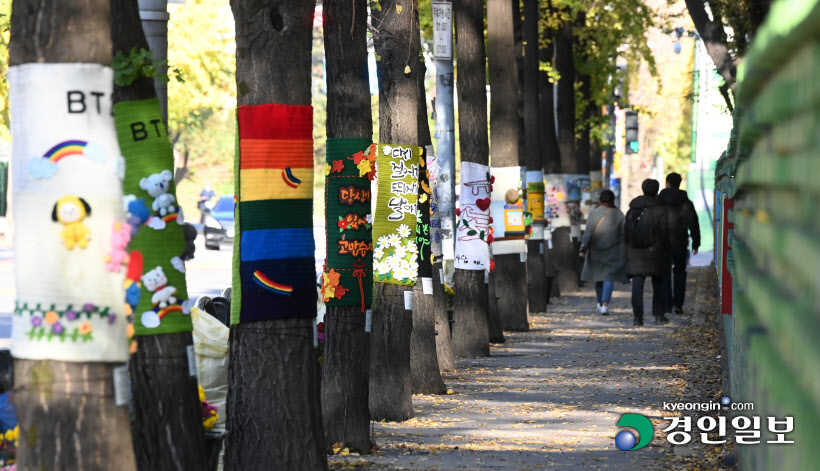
[504, 148]
[470, 334]
[424, 365]
[564, 64]
[516, 294]
[390, 374]
[583, 152]
[345, 407]
[494, 327]
[519, 61]
[167, 426]
[536, 275]
[714, 39]
[550, 153]
[274, 413]
[63, 402]
[565, 250]
[398, 44]
[423, 355]
[444, 341]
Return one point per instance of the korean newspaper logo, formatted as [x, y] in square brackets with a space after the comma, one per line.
[745, 429]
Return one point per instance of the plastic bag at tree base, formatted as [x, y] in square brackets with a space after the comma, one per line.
[212, 354]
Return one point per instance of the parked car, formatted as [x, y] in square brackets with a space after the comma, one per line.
[218, 223]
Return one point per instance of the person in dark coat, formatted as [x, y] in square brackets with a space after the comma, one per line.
[683, 223]
[651, 260]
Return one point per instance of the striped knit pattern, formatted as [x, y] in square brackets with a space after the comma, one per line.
[274, 184]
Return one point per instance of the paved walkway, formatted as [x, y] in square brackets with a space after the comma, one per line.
[548, 398]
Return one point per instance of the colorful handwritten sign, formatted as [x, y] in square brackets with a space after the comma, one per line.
[348, 273]
[395, 251]
[474, 221]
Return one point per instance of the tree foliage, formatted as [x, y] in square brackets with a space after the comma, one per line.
[712, 18]
[201, 117]
[5, 16]
[606, 32]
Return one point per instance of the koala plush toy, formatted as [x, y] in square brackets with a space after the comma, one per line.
[155, 281]
[157, 186]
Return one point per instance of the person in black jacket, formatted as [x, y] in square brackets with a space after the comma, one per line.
[683, 223]
[647, 250]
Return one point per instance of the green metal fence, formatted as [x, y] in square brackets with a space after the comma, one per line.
[771, 173]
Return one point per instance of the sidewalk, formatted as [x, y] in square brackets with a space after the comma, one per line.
[550, 398]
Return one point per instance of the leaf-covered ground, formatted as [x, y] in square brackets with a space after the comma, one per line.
[550, 398]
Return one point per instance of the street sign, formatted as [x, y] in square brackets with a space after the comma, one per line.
[443, 30]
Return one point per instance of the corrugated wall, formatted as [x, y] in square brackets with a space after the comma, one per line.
[771, 173]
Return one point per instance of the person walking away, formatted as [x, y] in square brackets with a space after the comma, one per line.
[603, 249]
[683, 223]
[646, 235]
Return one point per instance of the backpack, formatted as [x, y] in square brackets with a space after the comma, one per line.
[639, 228]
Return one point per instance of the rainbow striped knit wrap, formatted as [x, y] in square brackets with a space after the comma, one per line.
[274, 268]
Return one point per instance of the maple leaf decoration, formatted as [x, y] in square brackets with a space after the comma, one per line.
[364, 167]
[330, 283]
[358, 157]
[338, 166]
[341, 291]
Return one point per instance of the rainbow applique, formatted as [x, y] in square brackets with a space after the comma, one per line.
[290, 180]
[65, 149]
[271, 285]
[172, 308]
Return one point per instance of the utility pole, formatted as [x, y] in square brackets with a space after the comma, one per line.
[154, 16]
[445, 127]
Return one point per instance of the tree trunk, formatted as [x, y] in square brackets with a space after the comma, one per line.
[583, 152]
[347, 346]
[518, 36]
[494, 327]
[564, 64]
[470, 334]
[536, 275]
[61, 402]
[167, 426]
[423, 355]
[595, 160]
[398, 44]
[516, 294]
[550, 153]
[424, 365]
[714, 39]
[274, 412]
[565, 250]
[511, 305]
[444, 342]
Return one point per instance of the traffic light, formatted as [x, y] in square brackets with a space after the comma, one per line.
[631, 132]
